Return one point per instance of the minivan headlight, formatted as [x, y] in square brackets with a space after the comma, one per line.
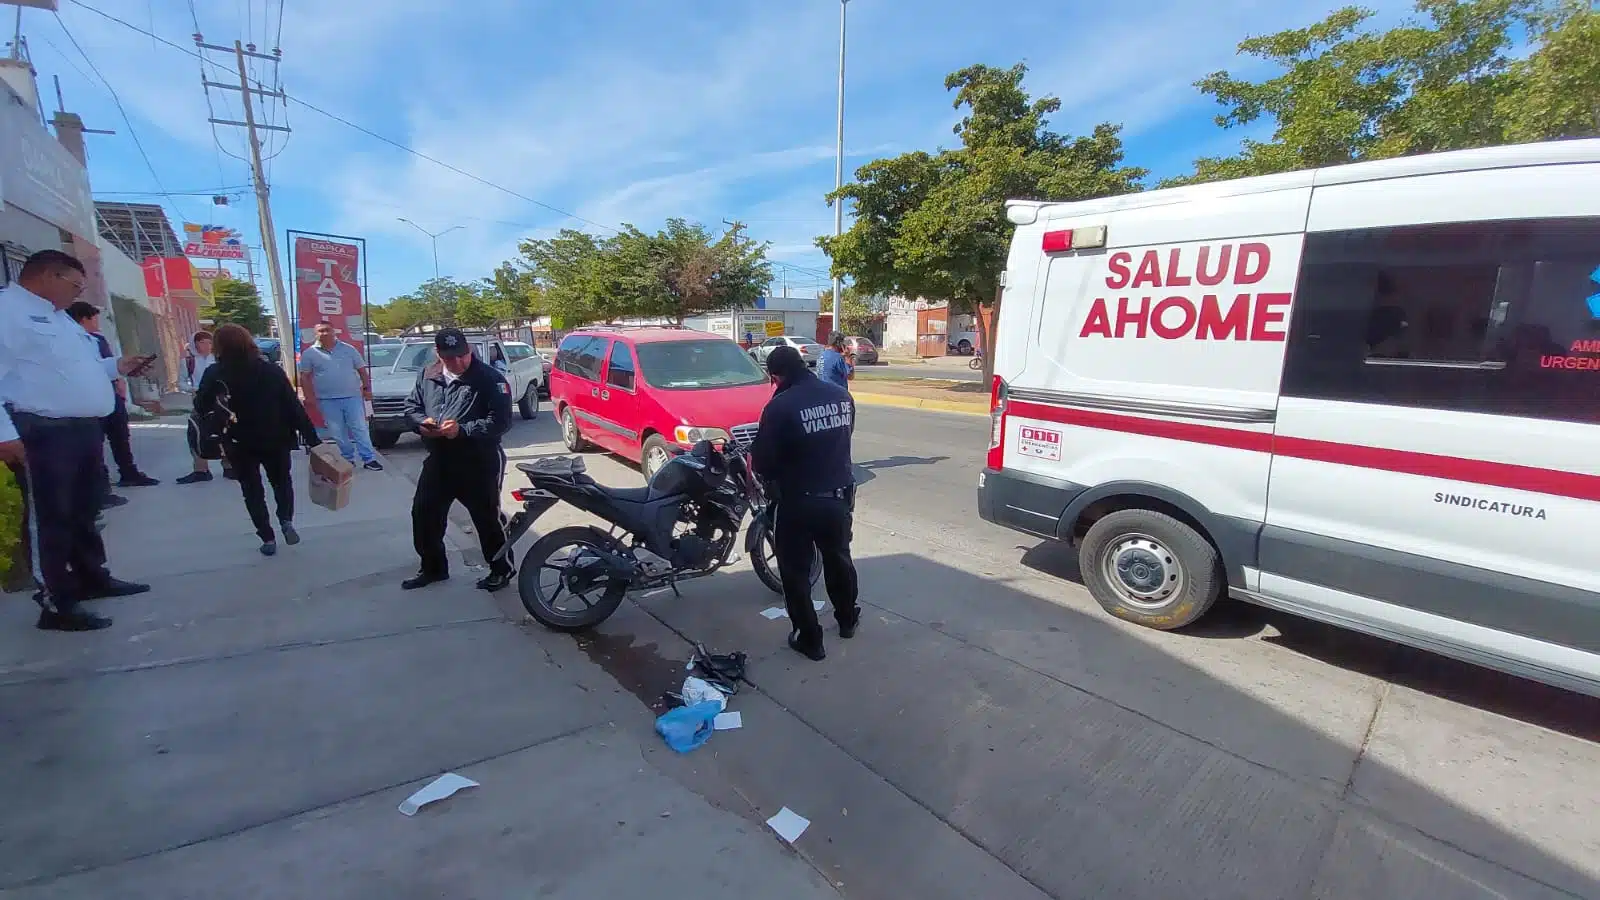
[689, 435]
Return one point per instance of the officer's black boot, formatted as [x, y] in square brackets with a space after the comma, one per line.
[811, 649]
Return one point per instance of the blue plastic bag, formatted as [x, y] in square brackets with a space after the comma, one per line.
[687, 727]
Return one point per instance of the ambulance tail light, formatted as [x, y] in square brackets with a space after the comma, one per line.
[997, 425]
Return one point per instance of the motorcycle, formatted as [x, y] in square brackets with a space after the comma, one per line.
[683, 525]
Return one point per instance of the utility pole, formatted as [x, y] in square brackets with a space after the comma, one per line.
[838, 159]
[269, 232]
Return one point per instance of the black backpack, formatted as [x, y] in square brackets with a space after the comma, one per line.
[208, 429]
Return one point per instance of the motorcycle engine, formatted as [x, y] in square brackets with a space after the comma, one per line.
[691, 551]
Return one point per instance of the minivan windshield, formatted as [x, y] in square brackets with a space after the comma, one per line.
[694, 365]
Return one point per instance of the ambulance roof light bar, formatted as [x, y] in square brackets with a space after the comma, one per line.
[1089, 237]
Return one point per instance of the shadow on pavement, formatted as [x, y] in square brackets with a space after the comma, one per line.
[1441, 676]
[1088, 760]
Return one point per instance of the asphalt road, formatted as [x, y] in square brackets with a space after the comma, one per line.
[939, 369]
[993, 731]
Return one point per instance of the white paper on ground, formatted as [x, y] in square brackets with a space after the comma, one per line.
[698, 690]
[440, 788]
[788, 824]
[727, 721]
[774, 612]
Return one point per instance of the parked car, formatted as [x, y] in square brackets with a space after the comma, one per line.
[392, 383]
[810, 350]
[866, 352]
[963, 343]
[647, 394]
[547, 360]
[271, 348]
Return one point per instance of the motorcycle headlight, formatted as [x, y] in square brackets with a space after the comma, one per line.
[689, 435]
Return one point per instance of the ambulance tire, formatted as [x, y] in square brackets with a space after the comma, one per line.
[1150, 568]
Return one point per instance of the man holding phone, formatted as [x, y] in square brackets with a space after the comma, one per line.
[57, 390]
[118, 434]
[461, 406]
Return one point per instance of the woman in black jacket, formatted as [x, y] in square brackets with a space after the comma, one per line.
[265, 422]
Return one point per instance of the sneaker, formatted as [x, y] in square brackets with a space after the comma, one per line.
[269, 548]
[138, 479]
[811, 651]
[75, 619]
[194, 478]
[290, 536]
[112, 501]
[372, 465]
[847, 627]
[116, 587]
[422, 580]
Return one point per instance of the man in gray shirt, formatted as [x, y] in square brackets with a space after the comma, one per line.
[337, 386]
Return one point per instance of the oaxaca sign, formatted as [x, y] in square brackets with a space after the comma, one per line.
[212, 242]
[327, 288]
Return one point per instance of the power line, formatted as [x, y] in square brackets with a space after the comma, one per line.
[132, 133]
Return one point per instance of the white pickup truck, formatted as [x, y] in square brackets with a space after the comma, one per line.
[395, 368]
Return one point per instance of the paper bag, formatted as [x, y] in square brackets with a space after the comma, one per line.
[329, 476]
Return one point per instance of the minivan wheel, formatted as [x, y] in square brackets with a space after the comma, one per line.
[654, 456]
[1151, 569]
[569, 432]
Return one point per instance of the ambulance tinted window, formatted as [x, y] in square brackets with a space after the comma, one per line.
[1475, 316]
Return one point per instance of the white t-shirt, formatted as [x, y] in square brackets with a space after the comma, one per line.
[201, 364]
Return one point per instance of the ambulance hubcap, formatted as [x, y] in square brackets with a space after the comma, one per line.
[1143, 571]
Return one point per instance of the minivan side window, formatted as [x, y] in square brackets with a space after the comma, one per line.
[586, 360]
[1486, 317]
[567, 352]
[620, 373]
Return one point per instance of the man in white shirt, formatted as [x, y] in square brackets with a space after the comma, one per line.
[56, 390]
[196, 366]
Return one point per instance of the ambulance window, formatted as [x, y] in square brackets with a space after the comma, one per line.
[1470, 316]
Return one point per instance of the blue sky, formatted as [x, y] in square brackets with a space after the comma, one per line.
[612, 110]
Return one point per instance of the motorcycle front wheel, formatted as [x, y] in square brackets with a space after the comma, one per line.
[557, 568]
[764, 559]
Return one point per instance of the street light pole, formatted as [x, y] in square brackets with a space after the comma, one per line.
[838, 160]
[434, 237]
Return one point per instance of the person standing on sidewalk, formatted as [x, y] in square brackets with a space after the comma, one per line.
[118, 434]
[461, 406]
[56, 391]
[803, 447]
[838, 367]
[337, 386]
[196, 365]
[263, 422]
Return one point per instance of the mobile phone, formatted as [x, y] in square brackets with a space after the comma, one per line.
[141, 368]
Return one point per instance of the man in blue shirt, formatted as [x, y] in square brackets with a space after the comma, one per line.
[57, 390]
[836, 366]
[334, 379]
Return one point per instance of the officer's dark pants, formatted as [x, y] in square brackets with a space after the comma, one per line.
[823, 523]
[65, 463]
[467, 475]
[248, 465]
[120, 437]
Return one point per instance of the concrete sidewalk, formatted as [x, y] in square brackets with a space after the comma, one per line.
[248, 728]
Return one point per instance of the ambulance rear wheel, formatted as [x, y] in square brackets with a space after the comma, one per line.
[1149, 568]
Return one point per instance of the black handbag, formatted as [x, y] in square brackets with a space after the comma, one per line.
[208, 429]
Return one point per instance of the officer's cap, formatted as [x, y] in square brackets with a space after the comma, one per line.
[451, 343]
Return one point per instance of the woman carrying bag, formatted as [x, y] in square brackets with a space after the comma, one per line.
[248, 405]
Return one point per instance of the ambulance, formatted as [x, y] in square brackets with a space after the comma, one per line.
[1367, 395]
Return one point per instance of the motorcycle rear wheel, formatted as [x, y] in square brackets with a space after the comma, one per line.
[581, 543]
[764, 560]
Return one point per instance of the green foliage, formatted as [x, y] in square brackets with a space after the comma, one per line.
[238, 302]
[680, 271]
[858, 309]
[933, 224]
[11, 519]
[1448, 80]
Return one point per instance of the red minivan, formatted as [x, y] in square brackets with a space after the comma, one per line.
[646, 394]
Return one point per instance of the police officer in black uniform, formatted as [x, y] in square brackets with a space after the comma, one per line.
[461, 406]
[802, 449]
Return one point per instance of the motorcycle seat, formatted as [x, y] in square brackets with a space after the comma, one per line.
[568, 467]
[637, 495]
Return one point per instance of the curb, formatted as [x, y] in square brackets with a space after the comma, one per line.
[948, 406]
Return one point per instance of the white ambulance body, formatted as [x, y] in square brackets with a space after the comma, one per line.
[1368, 395]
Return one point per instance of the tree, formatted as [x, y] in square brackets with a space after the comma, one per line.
[514, 292]
[399, 314]
[933, 225]
[857, 313]
[680, 271]
[237, 302]
[475, 308]
[1448, 80]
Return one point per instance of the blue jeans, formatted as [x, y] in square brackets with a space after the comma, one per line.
[345, 421]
